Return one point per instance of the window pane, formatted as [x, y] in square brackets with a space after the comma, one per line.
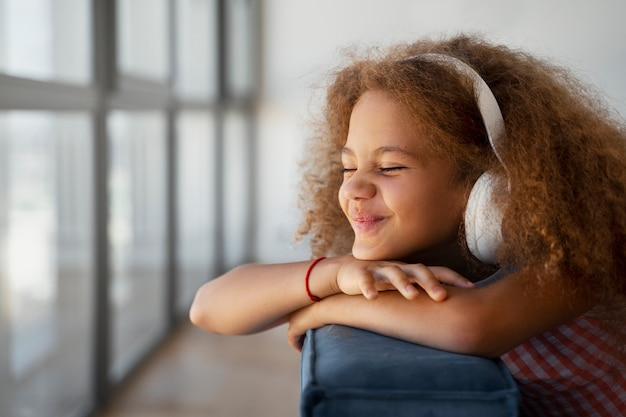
[239, 48]
[197, 49]
[46, 265]
[46, 39]
[143, 37]
[137, 232]
[196, 204]
[237, 189]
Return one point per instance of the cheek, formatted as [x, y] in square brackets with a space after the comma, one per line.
[407, 198]
[457, 199]
[431, 204]
[452, 208]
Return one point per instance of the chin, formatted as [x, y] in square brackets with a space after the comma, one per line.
[375, 255]
[364, 255]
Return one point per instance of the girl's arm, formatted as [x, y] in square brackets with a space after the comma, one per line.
[255, 297]
[487, 321]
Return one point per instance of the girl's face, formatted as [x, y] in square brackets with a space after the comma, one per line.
[401, 205]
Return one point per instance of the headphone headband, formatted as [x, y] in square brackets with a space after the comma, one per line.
[485, 100]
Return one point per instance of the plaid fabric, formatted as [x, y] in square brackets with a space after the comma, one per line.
[569, 371]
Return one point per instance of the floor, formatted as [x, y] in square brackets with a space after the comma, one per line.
[200, 374]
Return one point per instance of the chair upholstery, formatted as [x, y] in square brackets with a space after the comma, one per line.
[351, 372]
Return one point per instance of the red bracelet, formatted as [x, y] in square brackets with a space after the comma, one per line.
[308, 275]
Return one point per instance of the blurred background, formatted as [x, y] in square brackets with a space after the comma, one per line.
[146, 146]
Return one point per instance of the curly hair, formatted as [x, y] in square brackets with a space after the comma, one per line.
[565, 152]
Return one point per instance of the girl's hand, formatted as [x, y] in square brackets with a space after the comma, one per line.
[370, 277]
[299, 322]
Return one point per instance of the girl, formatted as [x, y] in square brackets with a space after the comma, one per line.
[405, 140]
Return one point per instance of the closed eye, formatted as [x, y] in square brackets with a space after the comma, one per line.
[389, 170]
[385, 170]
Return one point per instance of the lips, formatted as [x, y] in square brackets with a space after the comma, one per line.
[365, 222]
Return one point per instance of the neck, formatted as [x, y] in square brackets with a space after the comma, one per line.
[452, 255]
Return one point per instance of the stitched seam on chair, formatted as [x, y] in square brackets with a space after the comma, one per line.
[314, 357]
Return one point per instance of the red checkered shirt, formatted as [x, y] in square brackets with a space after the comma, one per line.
[569, 371]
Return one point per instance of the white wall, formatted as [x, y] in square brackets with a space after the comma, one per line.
[303, 40]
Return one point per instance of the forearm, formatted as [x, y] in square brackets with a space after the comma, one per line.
[255, 297]
[252, 297]
[423, 321]
[485, 321]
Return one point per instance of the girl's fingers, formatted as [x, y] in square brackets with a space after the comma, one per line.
[426, 279]
[394, 277]
[407, 279]
[431, 278]
[367, 285]
[295, 335]
[296, 341]
[450, 277]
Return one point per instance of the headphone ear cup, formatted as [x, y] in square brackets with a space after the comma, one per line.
[483, 220]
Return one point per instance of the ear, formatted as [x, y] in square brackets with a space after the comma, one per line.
[483, 220]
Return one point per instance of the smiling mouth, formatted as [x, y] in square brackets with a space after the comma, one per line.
[366, 224]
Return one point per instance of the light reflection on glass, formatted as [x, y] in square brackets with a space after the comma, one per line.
[196, 205]
[237, 189]
[240, 48]
[143, 38]
[137, 233]
[46, 265]
[196, 75]
[46, 39]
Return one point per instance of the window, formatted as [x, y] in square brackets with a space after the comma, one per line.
[197, 50]
[240, 50]
[238, 191]
[116, 125]
[46, 40]
[137, 235]
[143, 39]
[46, 256]
[196, 206]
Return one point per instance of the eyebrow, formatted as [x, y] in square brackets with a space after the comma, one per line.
[384, 150]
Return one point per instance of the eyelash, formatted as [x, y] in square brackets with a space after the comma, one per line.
[391, 169]
[383, 170]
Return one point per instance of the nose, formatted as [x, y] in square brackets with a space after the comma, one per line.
[357, 186]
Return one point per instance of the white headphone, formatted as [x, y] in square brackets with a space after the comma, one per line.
[483, 219]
